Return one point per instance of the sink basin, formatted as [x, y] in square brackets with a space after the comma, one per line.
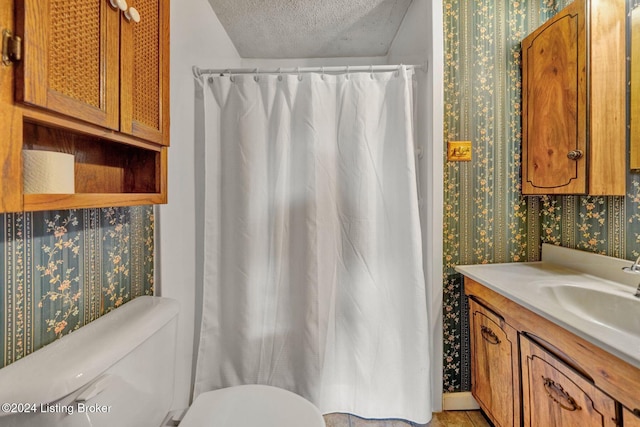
[609, 305]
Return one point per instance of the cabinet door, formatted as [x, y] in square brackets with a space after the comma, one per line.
[554, 105]
[70, 62]
[494, 369]
[629, 419]
[145, 72]
[554, 395]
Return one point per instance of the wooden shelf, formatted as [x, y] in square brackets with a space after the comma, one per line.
[35, 115]
[42, 202]
[101, 166]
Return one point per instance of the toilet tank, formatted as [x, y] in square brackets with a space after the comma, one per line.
[116, 371]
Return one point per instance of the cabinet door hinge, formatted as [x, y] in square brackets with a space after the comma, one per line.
[11, 48]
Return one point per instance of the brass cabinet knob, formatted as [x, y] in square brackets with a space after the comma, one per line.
[575, 154]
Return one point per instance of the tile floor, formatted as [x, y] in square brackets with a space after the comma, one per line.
[441, 419]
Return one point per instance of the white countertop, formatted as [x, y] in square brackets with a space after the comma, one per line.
[525, 284]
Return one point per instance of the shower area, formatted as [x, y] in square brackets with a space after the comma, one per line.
[319, 211]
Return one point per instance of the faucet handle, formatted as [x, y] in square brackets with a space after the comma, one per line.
[635, 267]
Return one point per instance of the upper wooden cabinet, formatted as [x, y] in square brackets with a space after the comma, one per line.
[574, 97]
[94, 84]
[87, 60]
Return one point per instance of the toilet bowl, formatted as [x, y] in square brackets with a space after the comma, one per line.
[252, 405]
[119, 371]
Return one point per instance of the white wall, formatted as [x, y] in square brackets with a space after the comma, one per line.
[433, 162]
[420, 41]
[197, 38]
[411, 44]
[271, 64]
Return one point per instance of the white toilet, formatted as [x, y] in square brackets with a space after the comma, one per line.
[119, 371]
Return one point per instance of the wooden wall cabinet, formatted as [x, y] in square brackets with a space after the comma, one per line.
[94, 84]
[558, 378]
[574, 102]
[495, 385]
[86, 60]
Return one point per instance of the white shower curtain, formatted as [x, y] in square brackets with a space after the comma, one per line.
[313, 277]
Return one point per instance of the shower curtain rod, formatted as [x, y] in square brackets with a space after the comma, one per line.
[197, 72]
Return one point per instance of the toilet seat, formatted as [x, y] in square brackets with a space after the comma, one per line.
[252, 405]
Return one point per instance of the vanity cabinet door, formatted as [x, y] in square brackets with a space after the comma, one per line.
[494, 368]
[554, 395]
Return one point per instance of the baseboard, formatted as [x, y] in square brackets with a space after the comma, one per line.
[462, 401]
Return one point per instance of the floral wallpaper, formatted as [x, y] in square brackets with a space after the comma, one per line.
[487, 220]
[60, 270]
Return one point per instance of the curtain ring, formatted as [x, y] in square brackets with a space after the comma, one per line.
[279, 74]
[348, 67]
[322, 75]
[371, 71]
[299, 75]
[256, 77]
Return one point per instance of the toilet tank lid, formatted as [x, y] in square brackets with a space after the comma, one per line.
[71, 362]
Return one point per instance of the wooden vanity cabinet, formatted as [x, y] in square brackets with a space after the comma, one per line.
[629, 419]
[574, 102]
[494, 369]
[554, 394]
[548, 362]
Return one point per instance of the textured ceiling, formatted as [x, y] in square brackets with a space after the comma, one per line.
[311, 28]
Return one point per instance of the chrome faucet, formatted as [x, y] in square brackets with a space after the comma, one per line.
[635, 268]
